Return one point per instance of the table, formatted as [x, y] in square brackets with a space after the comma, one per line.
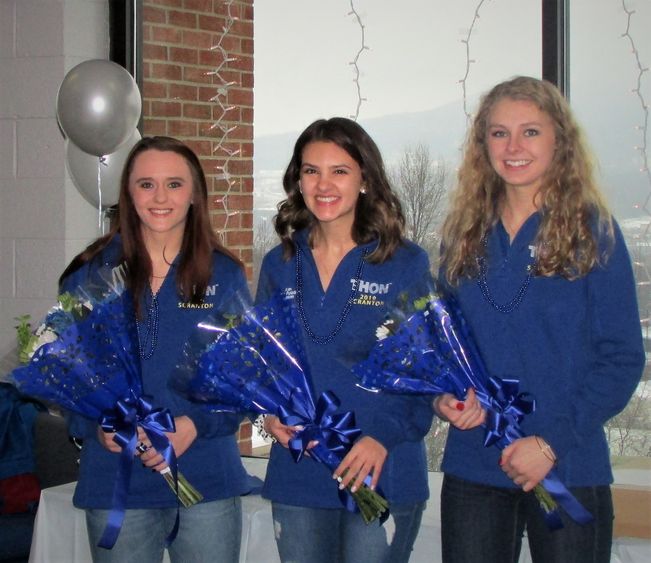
[60, 529]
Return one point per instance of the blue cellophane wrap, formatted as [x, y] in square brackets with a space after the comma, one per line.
[259, 366]
[430, 351]
[253, 364]
[92, 368]
[92, 363]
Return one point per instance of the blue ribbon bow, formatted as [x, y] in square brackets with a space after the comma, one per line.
[505, 409]
[334, 434]
[124, 419]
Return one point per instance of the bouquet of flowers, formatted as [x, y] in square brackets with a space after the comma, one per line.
[257, 365]
[84, 358]
[430, 352]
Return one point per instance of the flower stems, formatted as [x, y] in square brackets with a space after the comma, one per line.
[187, 494]
[371, 504]
[547, 503]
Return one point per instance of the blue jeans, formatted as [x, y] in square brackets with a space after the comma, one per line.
[484, 523]
[208, 531]
[324, 535]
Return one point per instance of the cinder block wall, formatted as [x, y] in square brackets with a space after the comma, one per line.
[44, 221]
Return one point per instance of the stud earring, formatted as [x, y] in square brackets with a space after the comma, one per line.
[362, 190]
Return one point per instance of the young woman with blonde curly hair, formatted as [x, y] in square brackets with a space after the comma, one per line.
[542, 274]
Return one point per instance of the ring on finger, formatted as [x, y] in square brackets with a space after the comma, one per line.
[142, 447]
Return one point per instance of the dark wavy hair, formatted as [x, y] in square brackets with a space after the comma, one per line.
[378, 214]
[199, 240]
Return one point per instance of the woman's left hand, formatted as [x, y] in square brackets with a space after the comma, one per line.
[181, 440]
[366, 457]
[525, 463]
[464, 415]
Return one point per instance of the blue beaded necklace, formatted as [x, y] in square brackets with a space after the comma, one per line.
[344, 313]
[482, 282]
[147, 343]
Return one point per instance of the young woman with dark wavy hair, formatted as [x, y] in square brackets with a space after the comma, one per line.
[345, 264]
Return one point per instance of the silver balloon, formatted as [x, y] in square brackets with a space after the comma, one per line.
[104, 191]
[98, 106]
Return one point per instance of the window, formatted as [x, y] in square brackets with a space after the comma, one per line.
[610, 91]
[410, 73]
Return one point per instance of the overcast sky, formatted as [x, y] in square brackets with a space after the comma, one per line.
[417, 57]
[303, 50]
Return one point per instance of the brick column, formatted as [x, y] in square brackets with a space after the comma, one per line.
[198, 87]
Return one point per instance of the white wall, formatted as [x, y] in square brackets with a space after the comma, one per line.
[44, 222]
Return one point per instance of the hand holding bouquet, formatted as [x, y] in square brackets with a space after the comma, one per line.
[258, 366]
[429, 351]
[84, 358]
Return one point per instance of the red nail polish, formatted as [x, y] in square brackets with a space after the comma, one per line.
[460, 406]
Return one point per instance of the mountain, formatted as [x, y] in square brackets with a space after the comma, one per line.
[610, 125]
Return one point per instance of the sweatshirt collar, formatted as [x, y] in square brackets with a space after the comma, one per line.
[301, 237]
[524, 236]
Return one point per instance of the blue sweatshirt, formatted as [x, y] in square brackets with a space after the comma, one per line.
[212, 463]
[576, 346]
[399, 423]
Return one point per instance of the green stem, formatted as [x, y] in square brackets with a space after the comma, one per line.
[370, 503]
[187, 494]
[546, 501]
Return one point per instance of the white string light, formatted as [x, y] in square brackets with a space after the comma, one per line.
[642, 148]
[354, 63]
[643, 277]
[222, 129]
[469, 61]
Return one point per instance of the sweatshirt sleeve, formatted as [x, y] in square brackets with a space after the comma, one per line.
[617, 355]
[208, 424]
[406, 418]
[402, 418]
[265, 287]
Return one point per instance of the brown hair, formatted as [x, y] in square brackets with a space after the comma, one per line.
[378, 214]
[199, 240]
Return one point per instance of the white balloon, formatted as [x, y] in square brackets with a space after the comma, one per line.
[83, 169]
[98, 106]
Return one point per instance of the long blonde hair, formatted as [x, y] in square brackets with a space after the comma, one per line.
[573, 212]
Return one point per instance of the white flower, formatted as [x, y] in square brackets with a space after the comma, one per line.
[381, 332]
[44, 335]
[384, 330]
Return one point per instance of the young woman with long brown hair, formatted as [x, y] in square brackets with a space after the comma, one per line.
[163, 248]
[344, 262]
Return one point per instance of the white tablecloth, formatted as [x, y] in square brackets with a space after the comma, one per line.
[60, 530]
